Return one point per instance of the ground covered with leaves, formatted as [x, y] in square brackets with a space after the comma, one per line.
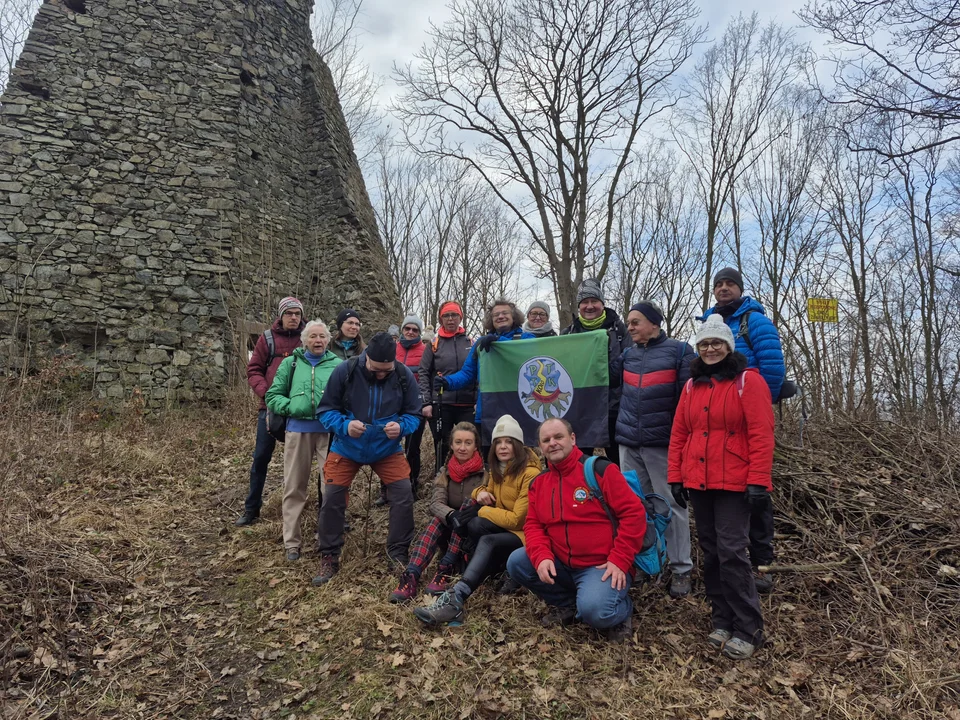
[126, 592]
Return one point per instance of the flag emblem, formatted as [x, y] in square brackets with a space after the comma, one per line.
[545, 388]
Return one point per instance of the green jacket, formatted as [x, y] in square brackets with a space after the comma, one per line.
[305, 390]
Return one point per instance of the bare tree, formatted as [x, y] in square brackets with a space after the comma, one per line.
[336, 31]
[544, 99]
[893, 57]
[16, 19]
[734, 86]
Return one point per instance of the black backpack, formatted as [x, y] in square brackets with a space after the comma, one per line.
[789, 388]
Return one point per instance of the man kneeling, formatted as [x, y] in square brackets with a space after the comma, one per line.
[576, 559]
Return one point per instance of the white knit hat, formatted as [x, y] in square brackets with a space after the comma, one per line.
[716, 329]
[507, 427]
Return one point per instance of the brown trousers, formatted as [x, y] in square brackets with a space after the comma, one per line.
[299, 452]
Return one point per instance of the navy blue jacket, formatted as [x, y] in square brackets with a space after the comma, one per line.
[766, 354]
[373, 403]
[651, 378]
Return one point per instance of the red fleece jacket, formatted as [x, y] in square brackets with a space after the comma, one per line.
[566, 523]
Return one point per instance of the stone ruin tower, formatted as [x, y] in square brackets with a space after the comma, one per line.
[169, 169]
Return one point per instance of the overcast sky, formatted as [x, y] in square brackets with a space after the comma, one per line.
[395, 29]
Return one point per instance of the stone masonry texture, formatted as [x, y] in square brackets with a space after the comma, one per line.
[169, 169]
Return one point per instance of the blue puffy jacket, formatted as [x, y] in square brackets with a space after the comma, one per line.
[765, 351]
[470, 372]
[373, 403]
[651, 378]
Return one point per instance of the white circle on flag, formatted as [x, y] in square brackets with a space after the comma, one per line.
[545, 389]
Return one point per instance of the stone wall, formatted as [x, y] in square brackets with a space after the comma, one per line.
[169, 169]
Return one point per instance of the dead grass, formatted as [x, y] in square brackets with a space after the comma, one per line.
[126, 592]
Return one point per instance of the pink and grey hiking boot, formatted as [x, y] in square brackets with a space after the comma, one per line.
[406, 588]
[440, 581]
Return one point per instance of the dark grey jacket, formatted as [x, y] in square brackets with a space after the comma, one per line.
[446, 356]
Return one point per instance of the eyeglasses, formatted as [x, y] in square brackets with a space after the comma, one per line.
[352, 323]
[711, 345]
[506, 314]
[540, 315]
[450, 316]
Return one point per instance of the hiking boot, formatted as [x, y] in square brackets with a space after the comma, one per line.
[509, 586]
[406, 589]
[680, 585]
[561, 616]
[718, 637]
[438, 585]
[293, 554]
[620, 633]
[381, 500]
[248, 518]
[737, 649]
[446, 610]
[763, 582]
[329, 566]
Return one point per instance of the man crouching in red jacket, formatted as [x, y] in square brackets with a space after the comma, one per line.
[575, 560]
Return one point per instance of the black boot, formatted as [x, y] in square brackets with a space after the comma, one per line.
[248, 518]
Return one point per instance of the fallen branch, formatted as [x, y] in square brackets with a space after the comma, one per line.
[812, 567]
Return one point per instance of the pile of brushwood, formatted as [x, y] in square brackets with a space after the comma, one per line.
[126, 592]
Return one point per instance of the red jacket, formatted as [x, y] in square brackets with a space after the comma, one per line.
[565, 522]
[259, 372]
[723, 440]
[411, 357]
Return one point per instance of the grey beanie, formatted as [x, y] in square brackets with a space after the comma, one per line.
[540, 305]
[729, 273]
[412, 319]
[590, 288]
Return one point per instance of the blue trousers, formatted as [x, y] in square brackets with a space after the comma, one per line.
[597, 603]
[262, 453]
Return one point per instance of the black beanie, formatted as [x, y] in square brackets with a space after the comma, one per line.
[649, 310]
[345, 315]
[382, 348]
[729, 273]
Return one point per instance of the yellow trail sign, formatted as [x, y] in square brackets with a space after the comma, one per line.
[823, 310]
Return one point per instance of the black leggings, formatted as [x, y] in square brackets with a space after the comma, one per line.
[491, 555]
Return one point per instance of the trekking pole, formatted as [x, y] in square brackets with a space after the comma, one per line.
[438, 441]
[366, 517]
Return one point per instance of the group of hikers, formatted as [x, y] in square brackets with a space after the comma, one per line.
[695, 424]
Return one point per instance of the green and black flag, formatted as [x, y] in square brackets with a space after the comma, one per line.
[554, 377]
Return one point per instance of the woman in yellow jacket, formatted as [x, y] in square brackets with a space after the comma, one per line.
[493, 519]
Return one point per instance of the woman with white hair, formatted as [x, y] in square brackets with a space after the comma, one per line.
[295, 393]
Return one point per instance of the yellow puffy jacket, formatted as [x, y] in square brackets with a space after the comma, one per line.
[510, 510]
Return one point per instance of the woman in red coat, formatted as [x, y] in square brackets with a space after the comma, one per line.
[720, 459]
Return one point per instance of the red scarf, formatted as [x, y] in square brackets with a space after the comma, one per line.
[459, 471]
[447, 334]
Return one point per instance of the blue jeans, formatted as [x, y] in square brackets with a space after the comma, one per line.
[262, 453]
[597, 603]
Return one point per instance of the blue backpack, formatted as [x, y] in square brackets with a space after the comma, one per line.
[652, 558]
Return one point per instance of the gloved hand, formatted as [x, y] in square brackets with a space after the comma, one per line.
[757, 496]
[484, 343]
[680, 494]
[453, 520]
[440, 383]
[469, 513]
